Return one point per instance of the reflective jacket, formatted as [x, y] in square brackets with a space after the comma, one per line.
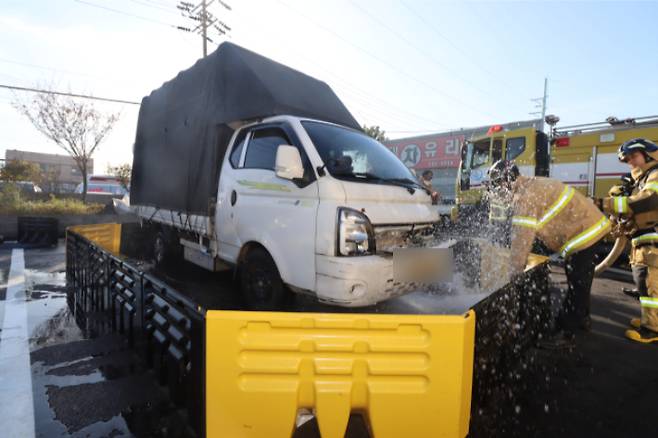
[562, 218]
[641, 205]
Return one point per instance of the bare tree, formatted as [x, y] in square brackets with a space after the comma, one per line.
[122, 172]
[50, 179]
[74, 125]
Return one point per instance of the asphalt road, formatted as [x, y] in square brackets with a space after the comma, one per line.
[83, 385]
[602, 388]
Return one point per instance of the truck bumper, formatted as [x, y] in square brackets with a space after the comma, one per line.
[357, 281]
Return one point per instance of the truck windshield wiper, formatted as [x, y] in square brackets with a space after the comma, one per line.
[412, 182]
[399, 182]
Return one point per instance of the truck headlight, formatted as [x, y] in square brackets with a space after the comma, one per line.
[355, 233]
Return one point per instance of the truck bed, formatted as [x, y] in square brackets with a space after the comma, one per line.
[194, 223]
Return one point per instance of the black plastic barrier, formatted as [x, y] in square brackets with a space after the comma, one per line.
[107, 294]
[37, 231]
[110, 293]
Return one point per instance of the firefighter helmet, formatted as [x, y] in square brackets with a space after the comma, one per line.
[501, 172]
[637, 144]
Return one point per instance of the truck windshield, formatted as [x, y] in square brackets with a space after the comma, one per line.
[352, 155]
[477, 154]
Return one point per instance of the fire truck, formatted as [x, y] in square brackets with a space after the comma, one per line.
[582, 156]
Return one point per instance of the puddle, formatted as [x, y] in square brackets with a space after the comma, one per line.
[52, 329]
[114, 427]
[49, 319]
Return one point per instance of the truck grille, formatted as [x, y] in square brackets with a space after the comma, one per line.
[390, 237]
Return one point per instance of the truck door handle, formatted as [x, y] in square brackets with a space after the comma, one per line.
[234, 198]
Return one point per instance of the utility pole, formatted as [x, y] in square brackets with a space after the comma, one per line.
[540, 102]
[206, 20]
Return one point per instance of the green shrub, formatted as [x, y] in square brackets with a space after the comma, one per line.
[11, 202]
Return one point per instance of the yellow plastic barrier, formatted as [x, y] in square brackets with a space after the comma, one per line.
[409, 375]
[107, 236]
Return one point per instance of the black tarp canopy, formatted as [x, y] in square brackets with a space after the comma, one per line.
[183, 128]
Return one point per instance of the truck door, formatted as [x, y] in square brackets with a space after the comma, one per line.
[277, 213]
[496, 150]
[479, 162]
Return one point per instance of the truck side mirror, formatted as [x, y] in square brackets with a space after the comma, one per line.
[288, 163]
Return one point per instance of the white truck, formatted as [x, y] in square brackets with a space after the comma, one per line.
[293, 196]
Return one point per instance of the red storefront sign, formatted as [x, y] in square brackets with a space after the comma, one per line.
[441, 151]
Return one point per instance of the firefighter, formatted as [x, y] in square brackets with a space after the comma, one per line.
[500, 215]
[426, 181]
[640, 210]
[566, 222]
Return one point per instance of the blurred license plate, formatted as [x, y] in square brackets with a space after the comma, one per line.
[428, 265]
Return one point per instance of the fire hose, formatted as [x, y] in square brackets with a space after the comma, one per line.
[613, 255]
[623, 227]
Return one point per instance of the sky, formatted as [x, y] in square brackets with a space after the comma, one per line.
[412, 67]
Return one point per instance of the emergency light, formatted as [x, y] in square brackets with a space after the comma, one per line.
[562, 142]
[494, 129]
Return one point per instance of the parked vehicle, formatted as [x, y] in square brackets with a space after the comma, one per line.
[103, 185]
[22, 186]
[243, 163]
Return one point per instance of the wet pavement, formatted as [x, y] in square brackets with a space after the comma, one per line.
[96, 386]
[82, 385]
[604, 387]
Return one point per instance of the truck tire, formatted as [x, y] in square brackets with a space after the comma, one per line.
[160, 255]
[166, 249]
[260, 282]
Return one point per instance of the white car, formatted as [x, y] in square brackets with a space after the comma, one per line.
[103, 185]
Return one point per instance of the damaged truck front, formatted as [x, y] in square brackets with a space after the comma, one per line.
[243, 163]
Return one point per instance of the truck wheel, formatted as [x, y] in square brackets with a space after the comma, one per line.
[260, 282]
[166, 248]
[160, 256]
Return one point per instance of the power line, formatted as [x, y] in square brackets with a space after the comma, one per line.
[349, 85]
[191, 6]
[170, 9]
[449, 41]
[61, 93]
[386, 63]
[372, 100]
[131, 15]
[43, 67]
[425, 53]
[161, 3]
[376, 112]
[117, 11]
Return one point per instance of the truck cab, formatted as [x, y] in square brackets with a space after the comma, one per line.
[307, 206]
[528, 147]
[321, 206]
